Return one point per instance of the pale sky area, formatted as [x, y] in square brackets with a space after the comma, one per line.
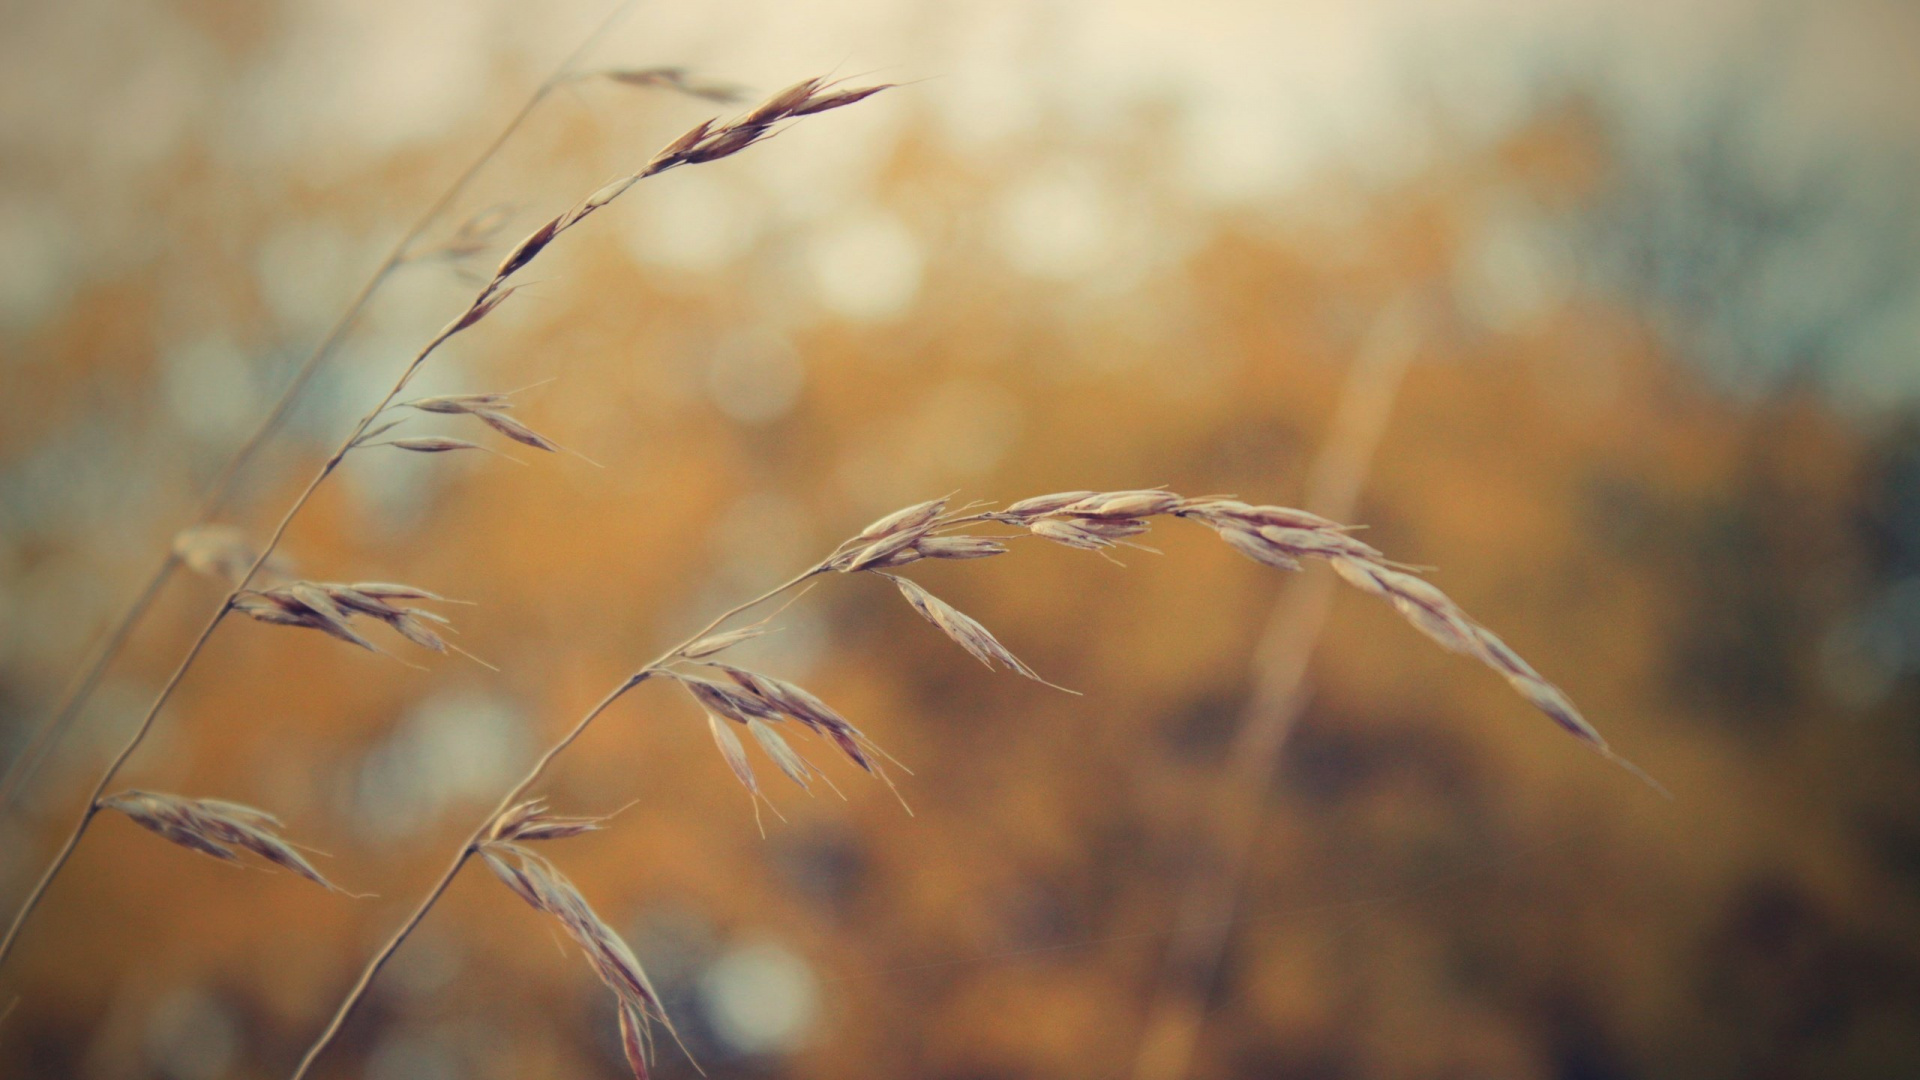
[1264, 96]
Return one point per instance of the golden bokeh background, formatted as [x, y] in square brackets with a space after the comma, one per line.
[1654, 273]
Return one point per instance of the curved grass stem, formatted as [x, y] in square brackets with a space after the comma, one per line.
[386, 951]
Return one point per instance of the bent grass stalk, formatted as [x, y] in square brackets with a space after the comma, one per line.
[1086, 520]
[472, 844]
[1176, 1007]
[316, 607]
[20, 770]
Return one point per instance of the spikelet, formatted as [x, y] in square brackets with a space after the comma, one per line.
[530, 821]
[547, 890]
[332, 608]
[215, 827]
[734, 753]
[962, 628]
[713, 644]
[797, 704]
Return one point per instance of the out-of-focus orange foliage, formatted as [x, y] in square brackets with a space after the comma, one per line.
[1444, 886]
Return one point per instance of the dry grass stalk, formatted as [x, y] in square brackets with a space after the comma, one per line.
[1226, 827]
[1229, 825]
[313, 606]
[468, 239]
[1084, 520]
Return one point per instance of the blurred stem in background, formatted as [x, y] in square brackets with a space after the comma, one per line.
[1177, 1008]
[20, 770]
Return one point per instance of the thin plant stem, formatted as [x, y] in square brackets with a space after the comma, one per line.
[472, 843]
[1177, 1008]
[20, 770]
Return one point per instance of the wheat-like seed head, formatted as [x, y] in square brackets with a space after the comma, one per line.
[544, 888]
[332, 608]
[1277, 536]
[1084, 520]
[215, 827]
[529, 821]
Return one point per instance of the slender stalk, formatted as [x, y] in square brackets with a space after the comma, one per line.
[41, 742]
[513, 795]
[33, 898]
[1177, 1008]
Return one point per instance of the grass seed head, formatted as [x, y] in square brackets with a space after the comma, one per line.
[547, 890]
[215, 827]
[531, 821]
[331, 609]
[962, 628]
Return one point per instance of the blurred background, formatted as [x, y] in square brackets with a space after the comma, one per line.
[1630, 290]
